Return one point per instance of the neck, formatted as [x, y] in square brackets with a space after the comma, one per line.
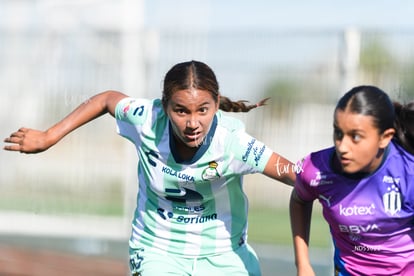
[185, 152]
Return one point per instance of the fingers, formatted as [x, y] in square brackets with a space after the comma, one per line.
[16, 139]
[20, 133]
[15, 144]
[12, 148]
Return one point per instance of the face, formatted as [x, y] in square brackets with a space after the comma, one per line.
[191, 113]
[359, 145]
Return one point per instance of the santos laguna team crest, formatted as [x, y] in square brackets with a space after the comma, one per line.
[211, 172]
[392, 200]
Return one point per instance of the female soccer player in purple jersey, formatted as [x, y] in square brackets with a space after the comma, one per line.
[365, 184]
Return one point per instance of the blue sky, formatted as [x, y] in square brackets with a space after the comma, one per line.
[280, 15]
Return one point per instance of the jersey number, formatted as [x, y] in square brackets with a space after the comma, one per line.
[183, 195]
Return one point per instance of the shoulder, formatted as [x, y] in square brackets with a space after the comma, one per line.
[136, 110]
[232, 132]
[229, 123]
[315, 163]
[400, 158]
[313, 171]
[319, 159]
[126, 104]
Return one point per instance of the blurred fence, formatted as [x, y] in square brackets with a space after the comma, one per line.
[46, 72]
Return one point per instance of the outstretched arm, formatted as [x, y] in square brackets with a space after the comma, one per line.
[281, 169]
[300, 220]
[28, 140]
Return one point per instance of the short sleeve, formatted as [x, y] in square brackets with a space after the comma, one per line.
[131, 114]
[250, 151]
[303, 188]
[133, 111]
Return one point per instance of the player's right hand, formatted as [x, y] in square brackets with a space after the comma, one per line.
[27, 140]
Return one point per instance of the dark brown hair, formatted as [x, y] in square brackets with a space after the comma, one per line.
[404, 125]
[372, 101]
[198, 75]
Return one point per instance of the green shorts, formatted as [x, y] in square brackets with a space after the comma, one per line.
[146, 261]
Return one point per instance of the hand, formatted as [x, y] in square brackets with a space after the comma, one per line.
[27, 140]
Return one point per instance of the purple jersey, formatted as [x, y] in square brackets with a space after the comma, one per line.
[371, 218]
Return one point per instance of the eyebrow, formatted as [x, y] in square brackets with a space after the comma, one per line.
[183, 106]
[359, 130]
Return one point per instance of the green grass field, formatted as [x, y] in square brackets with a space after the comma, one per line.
[53, 200]
[272, 226]
[266, 225]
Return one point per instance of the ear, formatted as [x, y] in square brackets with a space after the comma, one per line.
[218, 103]
[386, 137]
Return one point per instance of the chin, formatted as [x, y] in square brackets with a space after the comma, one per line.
[353, 170]
[194, 144]
[350, 170]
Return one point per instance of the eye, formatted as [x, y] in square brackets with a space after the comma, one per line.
[203, 110]
[356, 137]
[180, 111]
[338, 134]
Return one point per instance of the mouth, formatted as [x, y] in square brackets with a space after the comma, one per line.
[344, 161]
[193, 136]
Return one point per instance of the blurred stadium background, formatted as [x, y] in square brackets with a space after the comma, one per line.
[68, 210]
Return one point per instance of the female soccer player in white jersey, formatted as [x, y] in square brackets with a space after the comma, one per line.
[365, 184]
[191, 213]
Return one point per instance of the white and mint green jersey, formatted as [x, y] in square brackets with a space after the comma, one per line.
[193, 208]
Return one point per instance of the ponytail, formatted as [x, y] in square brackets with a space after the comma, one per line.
[239, 106]
[404, 125]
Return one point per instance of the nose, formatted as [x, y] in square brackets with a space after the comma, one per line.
[341, 145]
[192, 122]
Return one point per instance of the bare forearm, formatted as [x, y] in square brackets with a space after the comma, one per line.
[300, 216]
[89, 110]
[28, 140]
[281, 169]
